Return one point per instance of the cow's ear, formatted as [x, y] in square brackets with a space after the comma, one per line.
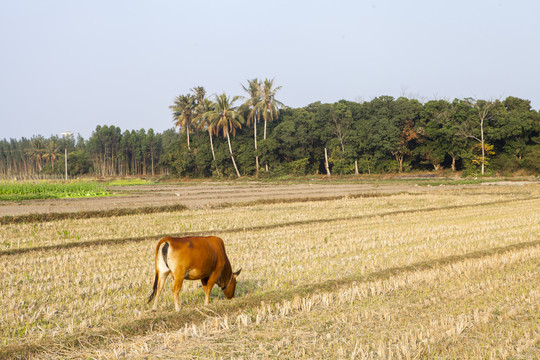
[238, 272]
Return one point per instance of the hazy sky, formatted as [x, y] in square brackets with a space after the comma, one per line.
[75, 64]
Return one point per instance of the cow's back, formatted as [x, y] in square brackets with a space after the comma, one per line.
[200, 255]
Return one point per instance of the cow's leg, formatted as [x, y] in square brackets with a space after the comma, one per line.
[210, 284]
[178, 281]
[204, 283]
[162, 276]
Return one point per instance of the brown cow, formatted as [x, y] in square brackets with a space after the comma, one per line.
[193, 258]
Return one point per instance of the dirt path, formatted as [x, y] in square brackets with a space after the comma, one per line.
[199, 196]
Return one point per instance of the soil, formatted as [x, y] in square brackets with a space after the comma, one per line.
[200, 195]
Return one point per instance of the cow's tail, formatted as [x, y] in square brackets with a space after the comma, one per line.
[164, 254]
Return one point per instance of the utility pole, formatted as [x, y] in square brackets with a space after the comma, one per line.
[66, 135]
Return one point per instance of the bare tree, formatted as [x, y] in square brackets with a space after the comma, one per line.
[484, 109]
[341, 123]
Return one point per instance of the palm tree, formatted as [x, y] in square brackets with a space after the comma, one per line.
[202, 107]
[268, 104]
[199, 94]
[52, 152]
[204, 122]
[254, 115]
[227, 119]
[183, 112]
[37, 150]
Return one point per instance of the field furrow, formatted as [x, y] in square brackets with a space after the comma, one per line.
[474, 308]
[138, 227]
[397, 276]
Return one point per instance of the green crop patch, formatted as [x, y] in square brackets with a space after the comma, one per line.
[17, 191]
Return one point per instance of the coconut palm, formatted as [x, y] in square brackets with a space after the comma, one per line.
[203, 106]
[37, 151]
[52, 152]
[226, 118]
[183, 112]
[204, 122]
[268, 104]
[254, 115]
[199, 93]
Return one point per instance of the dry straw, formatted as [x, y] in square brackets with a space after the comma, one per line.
[49, 296]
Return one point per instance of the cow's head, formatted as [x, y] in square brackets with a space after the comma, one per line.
[230, 289]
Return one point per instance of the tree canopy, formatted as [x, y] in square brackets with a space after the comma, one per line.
[378, 136]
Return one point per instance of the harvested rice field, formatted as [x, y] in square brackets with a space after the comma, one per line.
[446, 273]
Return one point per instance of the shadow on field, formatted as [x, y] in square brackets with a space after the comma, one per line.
[244, 287]
[106, 242]
[248, 297]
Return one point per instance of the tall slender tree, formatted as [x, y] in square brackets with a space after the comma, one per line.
[183, 113]
[227, 119]
[253, 89]
[52, 152]
[474, 129]
[199, 94]
[208, 124]
[404, 118]
[268, 104]
[37, 151]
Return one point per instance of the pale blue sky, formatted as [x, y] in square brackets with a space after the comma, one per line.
[74, 64]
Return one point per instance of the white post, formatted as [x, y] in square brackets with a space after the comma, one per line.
[326, 162]
[66, 135]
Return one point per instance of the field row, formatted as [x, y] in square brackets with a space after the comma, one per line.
[25, 236]
[475, 308]
[54, 294]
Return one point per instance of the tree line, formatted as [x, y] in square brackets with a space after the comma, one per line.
[108, 152]
[221, 136]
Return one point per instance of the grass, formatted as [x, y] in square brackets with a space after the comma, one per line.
[421, 179]
[29, 190]
[348, 277]
[129, 182]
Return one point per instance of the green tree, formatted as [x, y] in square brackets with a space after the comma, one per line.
[200, 104]
[227, 119]
[514, 127]
[37, 151]
[441, 129]
[78, 163]
[405, 118]
[209, 125]
[183, 113]
[295, 142]
[52, 152]
[268, 104]
[341, 124]
[376, 135]
[253, 89]
[202, 107]
[341, 121]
